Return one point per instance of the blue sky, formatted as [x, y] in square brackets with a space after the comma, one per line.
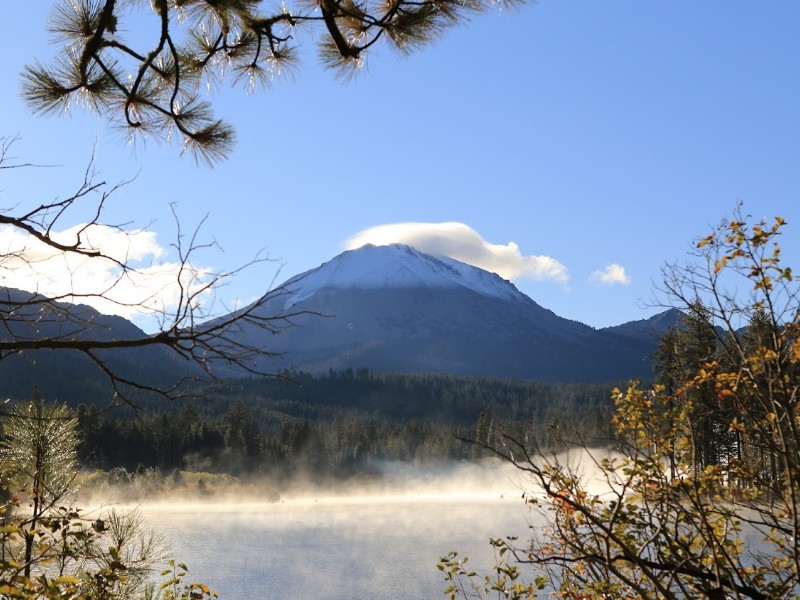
[588, 134]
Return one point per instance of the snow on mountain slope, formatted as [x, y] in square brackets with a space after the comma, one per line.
[397, 266]
[393, 308]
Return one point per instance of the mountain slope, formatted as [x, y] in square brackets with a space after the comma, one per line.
[70, 375]
[654, 327]
[393, 308]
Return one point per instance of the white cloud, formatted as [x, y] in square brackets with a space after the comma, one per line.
[151, 288]
[461, 242]
[613, 274]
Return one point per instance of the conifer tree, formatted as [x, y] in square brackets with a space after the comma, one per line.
[146, 77]
[39, 455]
[48, 550]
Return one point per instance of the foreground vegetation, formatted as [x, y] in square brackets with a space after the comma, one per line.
[699, 496]
[49, 548]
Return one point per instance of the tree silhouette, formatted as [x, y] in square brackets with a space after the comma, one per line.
[142, 64]
[196, 331]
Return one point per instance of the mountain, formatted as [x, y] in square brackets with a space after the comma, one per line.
[384, 308]
[394, 308]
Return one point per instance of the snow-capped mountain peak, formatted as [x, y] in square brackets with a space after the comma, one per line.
[397, 266]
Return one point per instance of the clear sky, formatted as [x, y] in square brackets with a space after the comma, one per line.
[559, 142]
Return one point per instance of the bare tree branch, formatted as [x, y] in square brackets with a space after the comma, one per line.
[203, 338]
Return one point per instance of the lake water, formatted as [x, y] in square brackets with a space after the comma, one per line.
[355, 544]
[341, 547]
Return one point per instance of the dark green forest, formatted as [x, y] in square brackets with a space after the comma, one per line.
[338, 425]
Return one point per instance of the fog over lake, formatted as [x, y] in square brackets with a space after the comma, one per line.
[382, 541]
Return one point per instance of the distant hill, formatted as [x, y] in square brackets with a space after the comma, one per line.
[69, 375]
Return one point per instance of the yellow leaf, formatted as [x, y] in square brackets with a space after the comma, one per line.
[705, 240]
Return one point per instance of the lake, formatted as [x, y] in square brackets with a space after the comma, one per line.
[383, 543]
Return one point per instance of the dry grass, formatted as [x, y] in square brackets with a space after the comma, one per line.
[119, 486]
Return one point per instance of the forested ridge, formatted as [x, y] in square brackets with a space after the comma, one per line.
[339, 424]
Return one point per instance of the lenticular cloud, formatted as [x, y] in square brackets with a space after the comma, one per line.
[461, 242]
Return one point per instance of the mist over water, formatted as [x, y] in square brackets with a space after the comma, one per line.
[380, 540]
